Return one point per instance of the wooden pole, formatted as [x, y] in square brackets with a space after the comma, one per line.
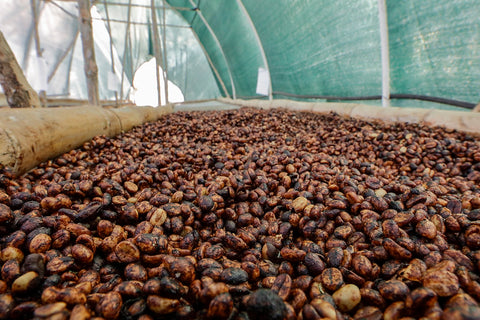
[17, 90]
[88, 45]
[156, 50]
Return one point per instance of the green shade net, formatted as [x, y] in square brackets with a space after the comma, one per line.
[332, 48]
[231, 45]
[435, 48]
[312, 47]
[320, 47]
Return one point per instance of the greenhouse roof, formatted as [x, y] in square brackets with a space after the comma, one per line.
[310, 49]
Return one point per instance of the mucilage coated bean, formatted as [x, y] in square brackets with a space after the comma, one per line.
[247, 214]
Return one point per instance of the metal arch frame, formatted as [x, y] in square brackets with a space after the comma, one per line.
[210, 62]
[157, 52]
[260, 45]
[124, 59]
[382, 17]
[205, 22]
[165, 54]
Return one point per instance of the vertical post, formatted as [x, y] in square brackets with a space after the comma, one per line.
[165, 61]
[156, 49]
[109, 28]
[90, 65]
[124, 60]
[33, 3]
[382, 15]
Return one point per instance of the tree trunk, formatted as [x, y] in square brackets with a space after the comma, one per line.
[17, 90]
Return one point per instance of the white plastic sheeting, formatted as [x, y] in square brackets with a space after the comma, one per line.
[61, 51]
[60, 47]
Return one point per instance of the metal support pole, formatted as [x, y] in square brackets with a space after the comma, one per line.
[156, 49]
[215, 71]
[260, 46]
[33, 3]
[205, 22]
[125, 48]
[382, 15]
[109, 29]
[146, 6]
[88, 45]
[165, 57]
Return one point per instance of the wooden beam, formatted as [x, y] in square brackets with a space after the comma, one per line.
[18, 91]
[88, 45]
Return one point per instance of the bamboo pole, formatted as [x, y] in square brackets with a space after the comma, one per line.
[88, 45]
[17, 90]
[31, 136]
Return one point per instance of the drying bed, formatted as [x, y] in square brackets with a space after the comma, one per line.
[247, 214]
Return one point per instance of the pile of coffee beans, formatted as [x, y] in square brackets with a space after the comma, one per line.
[247, 214]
